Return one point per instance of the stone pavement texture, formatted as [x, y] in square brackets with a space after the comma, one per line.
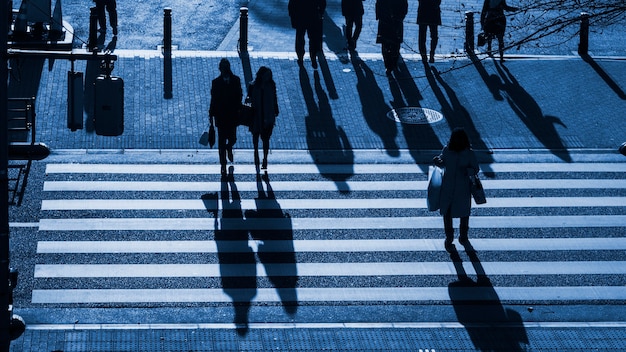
[561, 104]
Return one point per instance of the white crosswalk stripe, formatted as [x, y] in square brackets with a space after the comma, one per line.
[118, 221]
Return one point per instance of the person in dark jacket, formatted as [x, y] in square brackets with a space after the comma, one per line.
[226, 97]
[493, 22]
[459, 163]
[353, 12]
[262, 93]
[111, 8]
[307, 17]
[390, 15]
[428, 18]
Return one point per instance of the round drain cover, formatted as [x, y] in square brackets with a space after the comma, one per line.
[415, 116]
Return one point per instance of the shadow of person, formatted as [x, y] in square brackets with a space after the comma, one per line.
[490, 325]
[236, 259]
[526, 107]
[275, 244]
[327, 142]
[457, 115]
[493, 82]
[374, 106]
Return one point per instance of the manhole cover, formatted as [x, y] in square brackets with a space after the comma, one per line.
[415, 116]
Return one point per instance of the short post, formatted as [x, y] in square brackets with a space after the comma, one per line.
[92, 44]
[469, 32]
[167, 53]
[583, 45]
[243, 29]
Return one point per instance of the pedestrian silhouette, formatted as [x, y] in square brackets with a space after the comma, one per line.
[428, 18]
[390, 15]
[493, 22]
[262, 94]
[460, 162]
[353, 12]
[306, 18]
[226, 97]
[111, 8]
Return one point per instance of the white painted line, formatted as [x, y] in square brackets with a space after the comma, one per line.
[379, 203]
[23, 224]
[325, 269]
[367, 223]
[203, 169]
[354, 294]
[295, 325]
[329, 246]
[145, 186]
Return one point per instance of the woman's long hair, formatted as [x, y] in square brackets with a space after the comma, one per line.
[459, 140]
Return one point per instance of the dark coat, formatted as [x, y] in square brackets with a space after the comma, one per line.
[225, 101]
[455, 186]
[305, 14]
[352, 8]
[264, 106]
[429, 12]
[492, 17]
[390, 15]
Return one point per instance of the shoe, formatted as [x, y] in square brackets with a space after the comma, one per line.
[314, 62]
[229, 151]
[223, 171]
[432, 59]
[463, 240]
[449, 246]
[264, 165]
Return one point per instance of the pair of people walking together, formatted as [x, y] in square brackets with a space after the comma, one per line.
[225, 107]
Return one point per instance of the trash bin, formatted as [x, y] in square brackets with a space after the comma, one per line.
[108, 115]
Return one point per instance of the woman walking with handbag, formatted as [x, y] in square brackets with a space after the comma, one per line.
[264, 102]
[493, 22]
[460, 162]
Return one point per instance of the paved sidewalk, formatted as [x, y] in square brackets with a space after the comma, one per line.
[559, 104]
[430, 337]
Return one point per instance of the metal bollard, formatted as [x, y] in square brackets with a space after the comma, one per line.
[92, 44]
[469, 32]
[243, 29]
[583, 45]
[167, 53]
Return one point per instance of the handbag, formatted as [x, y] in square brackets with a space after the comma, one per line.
[246, 114]
[482, 39]
[204, 138]
[208, 137]
[435, 177]
[478, 192]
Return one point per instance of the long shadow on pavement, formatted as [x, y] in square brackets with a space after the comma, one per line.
[529, 111]
[275, 246]
[327, 142]
[374, 107]
[605, 76]
[236, 259]
[455, 113]
[491, 327]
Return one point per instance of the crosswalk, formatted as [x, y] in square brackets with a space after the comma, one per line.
[129, 234]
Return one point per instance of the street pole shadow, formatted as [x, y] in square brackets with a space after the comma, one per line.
[327, 142]
[236, 259]
[529, 111]
[490, 325]
[275, 246]
[605, 76]
[374, 106]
